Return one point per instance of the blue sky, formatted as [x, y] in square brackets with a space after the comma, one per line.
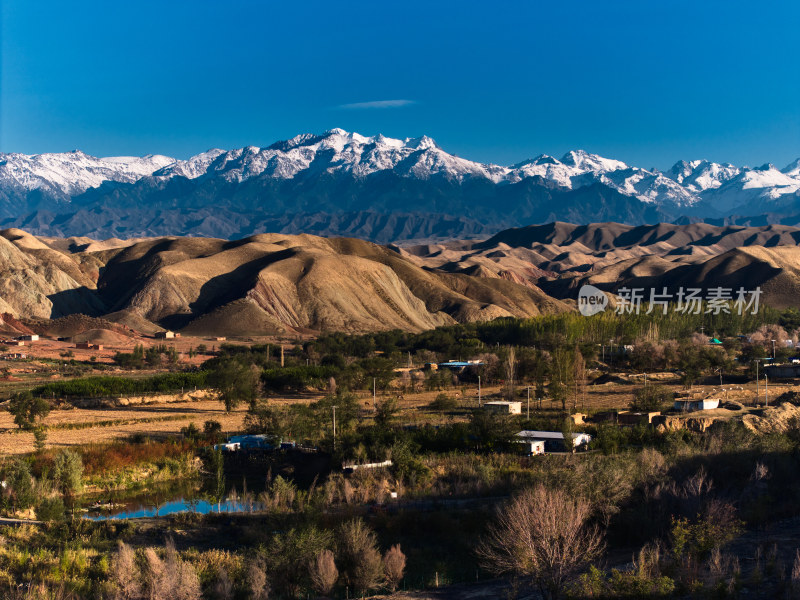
[643, 81]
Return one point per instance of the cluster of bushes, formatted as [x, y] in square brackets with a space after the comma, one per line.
[294, 564]
[102, 386]
[55, 487]
[104, 460]
[142, 357]
[549, 331]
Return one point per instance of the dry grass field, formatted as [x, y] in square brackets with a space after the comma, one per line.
[158, 419]
[77, 426]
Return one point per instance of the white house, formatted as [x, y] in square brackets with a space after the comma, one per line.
[532, 447]
[692, 405]
[503, 407]
[554, 440]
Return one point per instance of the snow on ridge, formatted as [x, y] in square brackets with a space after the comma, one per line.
[337, 151]
[792, 169]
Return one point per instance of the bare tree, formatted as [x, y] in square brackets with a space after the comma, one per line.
[125, 573]
[323, 573]
[394, 565]
[181, 581]
[154, 574]
[171, 578]
[359, 557]
[542, 535]
[187, 583]
[257, 580]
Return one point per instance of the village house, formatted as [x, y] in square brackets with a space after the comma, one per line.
[694, 404]
[553, 441]
[504, 407]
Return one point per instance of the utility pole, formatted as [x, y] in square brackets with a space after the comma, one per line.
[766, 390]
[757, 390]
[334, 427]
[479, 391]
[281, 354]
[773, 351]
[529, 402]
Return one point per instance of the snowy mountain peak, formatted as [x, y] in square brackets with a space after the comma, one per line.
[339, 153]
[421, 143]
[701, 175]
[792, 169]
[585, 161]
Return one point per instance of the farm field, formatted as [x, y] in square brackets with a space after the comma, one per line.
[68, 427]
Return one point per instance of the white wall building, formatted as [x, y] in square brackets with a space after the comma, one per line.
[504, 407]
[554, 440]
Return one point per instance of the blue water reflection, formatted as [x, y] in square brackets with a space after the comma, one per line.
[173, 507]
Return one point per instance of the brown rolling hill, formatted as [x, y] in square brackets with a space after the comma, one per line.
[560, 257]
[261, 285]
[270, 284]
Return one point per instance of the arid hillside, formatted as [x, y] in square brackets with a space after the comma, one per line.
[559, 258]
[273, 284]
[261, 285]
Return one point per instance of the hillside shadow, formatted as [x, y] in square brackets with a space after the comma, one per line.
[232, 285]
[82, 300]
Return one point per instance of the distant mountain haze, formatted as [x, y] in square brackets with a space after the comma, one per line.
[376, 188]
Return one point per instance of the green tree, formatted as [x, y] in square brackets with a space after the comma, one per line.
[651, 398]
[20, 483]
[27, 409]
[39, 438]
[68, 473]
[235, 382]
[386, 413]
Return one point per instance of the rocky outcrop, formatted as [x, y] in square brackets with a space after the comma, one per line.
[775, 419]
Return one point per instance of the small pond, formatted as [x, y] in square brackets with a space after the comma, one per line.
[135, 510]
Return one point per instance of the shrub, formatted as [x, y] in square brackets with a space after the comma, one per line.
[20, 485]
[443, 402]
[257, 583]
[51, 510]
[542, 535]
[359, 556]
[394, 565]
[125, 573]
[651, 398]
[323, 573]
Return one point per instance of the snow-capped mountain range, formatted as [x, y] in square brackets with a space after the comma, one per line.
[52, 181]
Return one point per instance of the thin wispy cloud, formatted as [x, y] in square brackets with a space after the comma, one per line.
[376, 104]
